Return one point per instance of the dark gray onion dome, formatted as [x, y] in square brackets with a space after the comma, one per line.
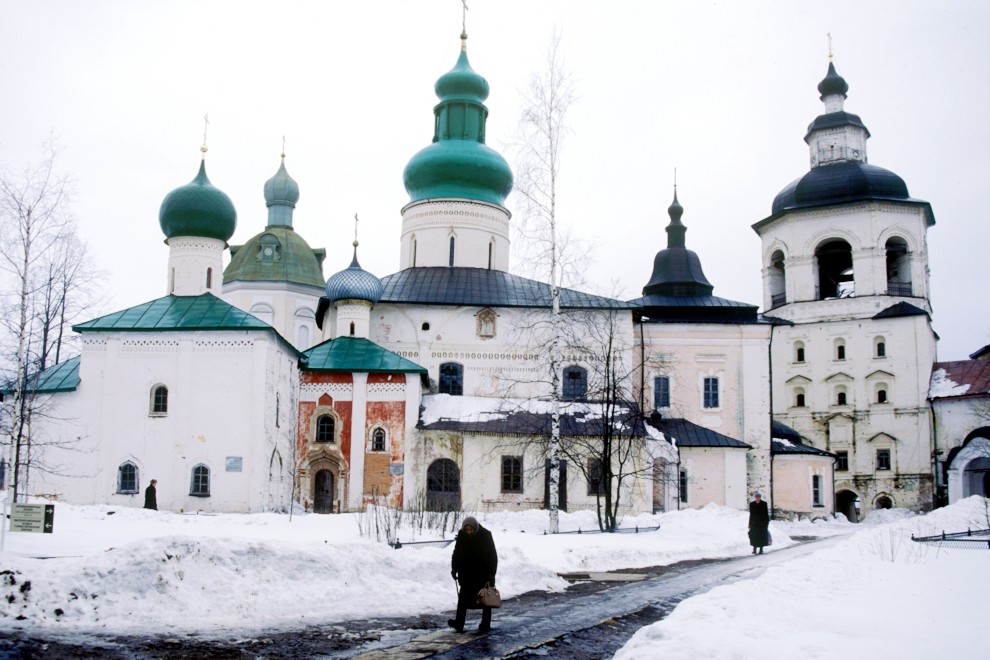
[354, 283]
[677, 270]
[832, 83]
[840, 183]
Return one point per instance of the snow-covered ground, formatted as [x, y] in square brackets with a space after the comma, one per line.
[872, 594]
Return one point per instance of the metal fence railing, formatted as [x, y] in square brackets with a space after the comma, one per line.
[619, 530]
[975, 539]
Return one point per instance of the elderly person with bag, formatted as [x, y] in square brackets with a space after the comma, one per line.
[473, 566]
[759, 524]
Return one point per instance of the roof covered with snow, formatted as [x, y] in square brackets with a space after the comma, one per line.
[960, 378]
[475, 414]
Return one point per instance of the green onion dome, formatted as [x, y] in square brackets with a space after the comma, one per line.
[198, 209]
[459, 164]
[281, 189]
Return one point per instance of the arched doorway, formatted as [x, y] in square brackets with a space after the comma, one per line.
[847, 503]
[443, 486]
[323, 492]
[883, 502]
[969, 467]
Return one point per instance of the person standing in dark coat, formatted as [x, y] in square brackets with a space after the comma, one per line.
[473, 564]
[759, 523]
[151, 496]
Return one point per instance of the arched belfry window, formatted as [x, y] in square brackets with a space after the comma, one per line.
[778, 280]
[352, 328]
[898, 267]
[835, 270]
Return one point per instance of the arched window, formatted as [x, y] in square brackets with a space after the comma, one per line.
[352, 328]
[325, 428]
[799, 351]
[159, 400]
[840, 396]
[575, 385]
[451, 379]
[835, 270]
[879, 347]
[882, 394]
[413, 252]
[127, 478]
[898, 267]
[491, 254]
[778, 280]
[378, 440]
[840, 349]
[451, 259]
[799, 397]
[200, 484]
[443, 486]
[209, 278]
[263, 312]
[302, 337]
[425, 326]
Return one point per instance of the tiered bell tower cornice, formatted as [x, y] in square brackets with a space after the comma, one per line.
[836, 136]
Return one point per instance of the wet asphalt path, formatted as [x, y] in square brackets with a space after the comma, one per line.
[592, 619]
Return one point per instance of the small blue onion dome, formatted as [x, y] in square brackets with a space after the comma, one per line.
[281, 188]
[198, 209]
[832, 83]
[458, 164]
[354, 283]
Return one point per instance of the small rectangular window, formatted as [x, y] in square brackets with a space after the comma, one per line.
[711, 393]
[596, 477]
[661, 392]
[816, 490]
[841, 461]
[682, 486]
[512, 474]
[883, 459]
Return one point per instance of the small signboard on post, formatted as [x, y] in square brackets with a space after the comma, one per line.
[32, 518]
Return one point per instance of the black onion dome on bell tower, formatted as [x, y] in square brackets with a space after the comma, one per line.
[832, 83]
[677, 270]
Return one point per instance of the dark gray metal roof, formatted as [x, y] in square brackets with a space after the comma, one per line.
[704, 309]
[689, 434]
[790, 447]
[900, 309]
[484, 288]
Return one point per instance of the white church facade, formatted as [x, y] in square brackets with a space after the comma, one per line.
[262, 384]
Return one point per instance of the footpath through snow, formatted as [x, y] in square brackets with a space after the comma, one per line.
[122, 570]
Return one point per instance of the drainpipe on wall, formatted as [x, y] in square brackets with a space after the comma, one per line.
[773, 499]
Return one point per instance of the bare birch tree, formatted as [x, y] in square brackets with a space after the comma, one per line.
[542, 128]
[43, 266]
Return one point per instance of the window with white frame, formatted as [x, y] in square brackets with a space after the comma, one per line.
[127, 478]
[711, 394]
[816, 490]
[378, 439]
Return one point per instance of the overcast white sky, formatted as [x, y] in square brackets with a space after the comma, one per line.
[723, 91]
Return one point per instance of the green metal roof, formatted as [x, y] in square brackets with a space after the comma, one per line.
[204, 312]
[290, 259]
[355, 354]
[63, 377]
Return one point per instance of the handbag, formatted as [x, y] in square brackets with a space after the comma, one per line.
[769, 538]
[489, 596]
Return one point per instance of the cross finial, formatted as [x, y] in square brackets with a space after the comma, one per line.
[283, 147]
[464, 26]
[206, 124]
[355, 229]
[675, 180]
[829, 35]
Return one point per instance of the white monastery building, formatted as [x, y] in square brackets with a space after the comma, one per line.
[263, 384]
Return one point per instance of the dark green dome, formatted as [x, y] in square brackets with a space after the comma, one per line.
[198, 209]
[459, 164]
[278, 254]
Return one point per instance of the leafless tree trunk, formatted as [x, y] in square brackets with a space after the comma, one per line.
[542, 127]
[42, 264]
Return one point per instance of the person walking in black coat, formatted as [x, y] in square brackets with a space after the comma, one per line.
[759, 524]
[151, 495]
[473, 564]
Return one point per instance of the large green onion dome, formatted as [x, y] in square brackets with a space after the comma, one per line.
[459, 164]
[198, 209]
